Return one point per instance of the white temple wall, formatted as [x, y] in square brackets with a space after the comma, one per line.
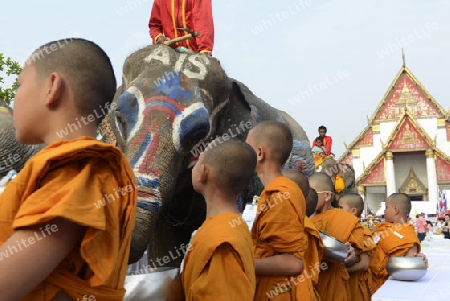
[375, 195]
[429, 125]
[386, 129]
[442, 142]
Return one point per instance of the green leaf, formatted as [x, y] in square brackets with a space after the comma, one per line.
[11, 68]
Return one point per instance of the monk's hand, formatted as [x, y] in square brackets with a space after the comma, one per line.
[425, 259]
[351, 255]
[162, 39]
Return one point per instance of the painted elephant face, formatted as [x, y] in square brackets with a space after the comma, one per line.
[165, 112]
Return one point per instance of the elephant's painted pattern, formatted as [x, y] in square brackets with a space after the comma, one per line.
[190, 114]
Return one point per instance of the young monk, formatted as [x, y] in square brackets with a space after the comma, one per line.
[220, 263]
[395, 237]
[333, 281]
[359, 273]
[314, 253]
[62, 244]
[279, 240]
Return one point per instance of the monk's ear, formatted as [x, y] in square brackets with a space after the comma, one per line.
[54, 86]
[354, 211]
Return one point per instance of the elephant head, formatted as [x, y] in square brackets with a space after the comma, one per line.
[170, 105]
[13, 154]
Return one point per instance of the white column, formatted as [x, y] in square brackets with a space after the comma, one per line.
[390, 174]
[431, 176]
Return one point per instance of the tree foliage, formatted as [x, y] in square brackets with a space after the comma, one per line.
[10, 68]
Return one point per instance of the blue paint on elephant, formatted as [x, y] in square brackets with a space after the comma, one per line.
[149, 206]
[142, 149]
[301, 158]
[172, 88]
[195, 125]
[129, 108]
[153, 183]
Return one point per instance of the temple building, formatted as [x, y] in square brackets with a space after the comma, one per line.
[404, 148]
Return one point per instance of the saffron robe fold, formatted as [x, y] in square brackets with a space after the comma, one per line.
[312, 260]
[279, 228]
[70, 180]
[391, 240]
[219, 263]
[360, 281]
[333, 281]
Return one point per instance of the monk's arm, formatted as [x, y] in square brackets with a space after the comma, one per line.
[362, 265]
[412, 252]
[32, 253]
[278, 265]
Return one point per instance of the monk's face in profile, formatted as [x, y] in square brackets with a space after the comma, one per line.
[389, 212]
[251, 141]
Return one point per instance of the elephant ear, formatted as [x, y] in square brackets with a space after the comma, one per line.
[236, 113]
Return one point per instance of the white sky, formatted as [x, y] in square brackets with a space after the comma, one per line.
[324, 62]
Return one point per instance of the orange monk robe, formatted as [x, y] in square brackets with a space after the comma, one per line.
[360, 281]
[312, 259]
[220, 264]
[333, 280]
[391, 240]
[69, 179]
[279, 228]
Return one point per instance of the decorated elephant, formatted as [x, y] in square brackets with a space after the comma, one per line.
[170, 105]
[13, 154]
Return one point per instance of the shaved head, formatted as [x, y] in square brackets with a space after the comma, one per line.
[311, 202]
[299, 178]
[276, 137]
[354, 200]
[85, 67]
[321, 182]
[233, 163]
[401, 201]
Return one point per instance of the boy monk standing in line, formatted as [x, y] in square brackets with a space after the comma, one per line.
[314, 253]
[220, 264]
[360, 277]
[395, 237]
[279, 240]
[333, 281]
[86, 251]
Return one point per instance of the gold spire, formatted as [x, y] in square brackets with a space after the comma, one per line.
[403, 57]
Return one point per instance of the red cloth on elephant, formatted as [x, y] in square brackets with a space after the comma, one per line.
[327, 142]
[196, 15]
[360, 281]
[219, 264]
[391, 240]
[333, 281]
[279, 228]
[69, 179]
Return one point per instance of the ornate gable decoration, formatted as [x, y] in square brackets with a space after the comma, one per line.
[374, 173]
[367, 140]
[412, 184]
[406, 94]
[442, 170]
[408, 135]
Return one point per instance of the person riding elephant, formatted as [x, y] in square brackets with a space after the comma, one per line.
[13, 154]
[169, 107]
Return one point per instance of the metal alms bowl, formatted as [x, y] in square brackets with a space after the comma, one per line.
[333, 248]
[406, 268]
